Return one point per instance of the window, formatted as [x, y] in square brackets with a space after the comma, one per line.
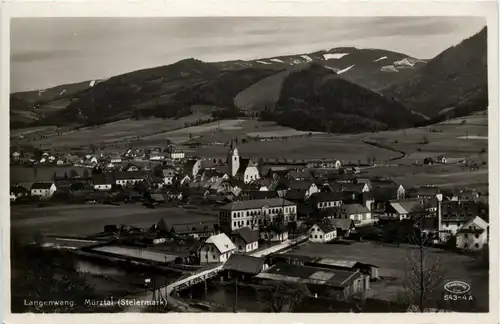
[311, 236]
[234, 224]
[248, 213]
[476, 235]
[476, 245]
[466, 245]
[315, 236]
[466, 236]
[321, 236]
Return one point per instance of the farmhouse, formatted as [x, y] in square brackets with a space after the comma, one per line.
[399, 210]
[217, 248]
[43, 189]
[245, 239]
[274, 233]
[473, 235]
[242, 169]
[322, 233]
[192, 167]
[253, 213]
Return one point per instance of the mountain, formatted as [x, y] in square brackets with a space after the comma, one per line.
[452, 84]
[319, 99]
[169, 91]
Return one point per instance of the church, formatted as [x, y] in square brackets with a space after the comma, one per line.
[240, 168]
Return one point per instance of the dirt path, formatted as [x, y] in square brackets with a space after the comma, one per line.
[382, 146]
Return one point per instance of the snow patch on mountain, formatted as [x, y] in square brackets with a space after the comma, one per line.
[389, 68]
[330, 56]
[262, 62]
[380, 59]
[307, 58]
[346, 69]
[276, 60]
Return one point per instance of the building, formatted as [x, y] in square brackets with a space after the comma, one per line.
[217, 248]
[197, 230]
[244, 267]
[124, 178]
[192, 167]
[245, 239]
[344, 226]
[168, 176]
[102, 181]
[330, 283]
[307, 186]
[455, 214]
[43, 189]
[240, 168]
[176, 154]
[428, 192]
[115, 158]
[322, 233]
[322, 200]
[355, 187]
[473, 235]
[357, 212]
[274, 233]
[253, 213]
[404, 209]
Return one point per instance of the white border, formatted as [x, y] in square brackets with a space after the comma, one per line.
[194, 8]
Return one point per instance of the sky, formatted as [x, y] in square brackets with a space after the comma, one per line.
[46, 52]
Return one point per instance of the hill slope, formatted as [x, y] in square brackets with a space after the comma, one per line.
[454, 83]
[316, 98]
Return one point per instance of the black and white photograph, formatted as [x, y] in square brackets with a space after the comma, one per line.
[250, 164]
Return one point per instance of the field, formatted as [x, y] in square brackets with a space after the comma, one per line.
[85, 220]
[393, 262]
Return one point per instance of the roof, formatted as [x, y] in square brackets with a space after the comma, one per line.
[336, 263]
[427, 191]
[193, 228]
[157, 197]
[257, 204]
[135, 175]
[244, 164]
[221, 242]
[326, 228]
[296, 194]
[343, 224]
[168, 173]
[300, 184]
[354, 209]
[330, 196]
[42, 185]
[385, 193]
[244, 263]
[257, 194]
[470, 231]
[405, 207]
[458, 211]
[102, 178]
[355, 187]
[309, 275]
[188, 166]
[247, 235]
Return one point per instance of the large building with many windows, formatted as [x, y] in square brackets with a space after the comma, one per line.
[253, 213]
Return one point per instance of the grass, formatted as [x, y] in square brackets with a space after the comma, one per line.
[392, 263]
[82, 220]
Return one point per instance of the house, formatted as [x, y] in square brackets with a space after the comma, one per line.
[103, 181]
[307, 186]
[355, 187]
[257, 194]
[455, 214]
[322, 233]
[124, 178]
[168, 176]
[322, 200]
[428, 192]
[327, 283]
[473, 235]
[131, 168]
[16, 155]
[196, 230]
[43, 189]
[176, 154]
[115, 158]
[404, 209]
[192, 167]
[240, 168]
[217, 248]
[244, 267]
[255, 212]
[441, 159]
[17, 191]
[344, 226]
[296, 196]
[245, 239]
[357, 212]
[299, 175]
[274, 233]
[156, 156]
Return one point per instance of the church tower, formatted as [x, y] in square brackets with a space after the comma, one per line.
[233, 160]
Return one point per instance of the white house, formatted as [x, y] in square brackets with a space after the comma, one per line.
[129, 177]
[245, 239]
[357, 212]
[473, 235]
[176, 154]
[243, 169]
[217, 248]
[115, 158]
[402, 209]
[253, 213]
[322, 200]
[322, 233]
[43, 189]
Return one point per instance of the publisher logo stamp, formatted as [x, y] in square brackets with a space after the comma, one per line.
[457, 290]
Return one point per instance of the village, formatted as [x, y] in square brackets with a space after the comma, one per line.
[268, 219]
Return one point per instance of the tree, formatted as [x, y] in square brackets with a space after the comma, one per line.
[279, 293]
[424, 273]
[86, 173]
[73, 173]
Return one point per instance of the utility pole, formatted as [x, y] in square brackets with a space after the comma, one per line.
[235, 307]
